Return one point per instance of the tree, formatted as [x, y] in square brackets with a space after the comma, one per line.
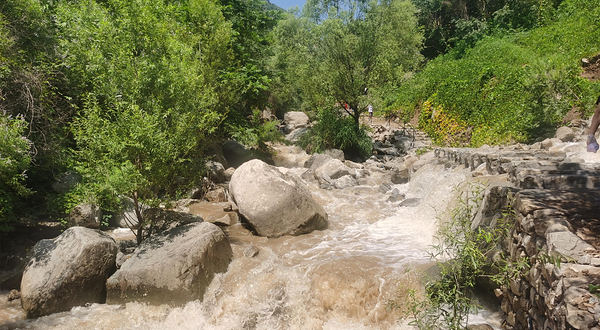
[251, 23]
[14, 162]
[450, 23]
[148, 73]
[348, 51]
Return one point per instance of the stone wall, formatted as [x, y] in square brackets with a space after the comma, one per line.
[555, 238]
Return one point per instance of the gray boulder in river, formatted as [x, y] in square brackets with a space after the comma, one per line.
[274, 203]
[173, 267]
[68, 271]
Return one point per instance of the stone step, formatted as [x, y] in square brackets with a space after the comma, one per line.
[535, 167]
[574, 203]
[558, 181]
[497, 161]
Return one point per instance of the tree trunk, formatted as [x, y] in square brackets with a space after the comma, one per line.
[356, 114]
[136, 205]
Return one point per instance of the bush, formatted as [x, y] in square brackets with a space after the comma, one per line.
[14, 161]
[333, 130]
[466, 253]
[255, 132]
[511, 88]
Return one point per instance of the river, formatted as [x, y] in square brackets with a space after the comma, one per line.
[339, 278]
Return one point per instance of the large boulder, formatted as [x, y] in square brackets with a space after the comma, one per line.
[294, 120]
[126, 217]
[172, 268]
[274, 203]
[85, 215]
[236, 153]
[70, 270]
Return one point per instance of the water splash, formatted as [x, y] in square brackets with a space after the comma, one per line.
[339, 278]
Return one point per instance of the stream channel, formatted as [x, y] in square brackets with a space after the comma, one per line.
[339, 278]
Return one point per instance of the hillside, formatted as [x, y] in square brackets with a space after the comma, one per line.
[512, 85]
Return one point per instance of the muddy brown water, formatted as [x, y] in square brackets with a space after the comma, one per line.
[340, 278]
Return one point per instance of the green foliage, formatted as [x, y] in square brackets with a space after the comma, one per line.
[14, 161]
[149, 70]
[257, 132]
[180, 68]
[30, 85]
[348, 52]
[468, 251]
[334, 130]
[458, 25]
[513, 88]
[249, 77]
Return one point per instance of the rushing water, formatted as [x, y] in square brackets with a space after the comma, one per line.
[339, 278]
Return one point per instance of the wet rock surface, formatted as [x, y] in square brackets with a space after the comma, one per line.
[68, 271]
[275, 203]
[173, 267]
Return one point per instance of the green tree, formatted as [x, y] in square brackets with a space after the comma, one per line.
[31, 86]
[14, 162]
[347, 51]
[450, 23]
[252, 23]
[149, 76]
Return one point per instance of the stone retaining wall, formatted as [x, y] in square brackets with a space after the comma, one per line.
[555, 238]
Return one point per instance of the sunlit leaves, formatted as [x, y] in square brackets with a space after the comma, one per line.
[347, 51]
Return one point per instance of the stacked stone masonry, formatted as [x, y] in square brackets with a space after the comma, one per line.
[556, 236]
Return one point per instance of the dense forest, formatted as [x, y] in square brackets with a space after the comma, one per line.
[129, 97]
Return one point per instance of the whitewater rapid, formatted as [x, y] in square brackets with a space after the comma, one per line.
[340, 278]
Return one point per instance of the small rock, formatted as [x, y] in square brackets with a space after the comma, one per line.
[395, 196]
[85, 215]
[565, 134]
[481, 170]
[344, 182]
[498, 292]
[215, 171]
[549, 143]
[218, 195]
[335, 154]
[224, 220]
[385, 187]
[121, 258]
[251, 251]
[13, 295]
[585, 259]
[228, 173]
[401, 175]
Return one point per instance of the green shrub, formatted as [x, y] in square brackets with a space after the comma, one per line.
[14, 161]
[511, 88]
[334, 130]
[255, 132]
[466, 255]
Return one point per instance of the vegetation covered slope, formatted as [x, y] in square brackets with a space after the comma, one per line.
[511, 86]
